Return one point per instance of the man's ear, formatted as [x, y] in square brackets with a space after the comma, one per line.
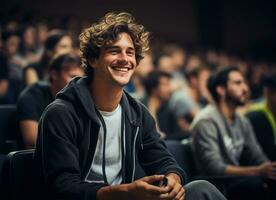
[54, 75]
[220, 90]
[93, 62]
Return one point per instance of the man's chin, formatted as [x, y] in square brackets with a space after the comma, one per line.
[241, 103]
[121, 83]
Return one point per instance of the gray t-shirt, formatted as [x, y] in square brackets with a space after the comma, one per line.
[216, 143]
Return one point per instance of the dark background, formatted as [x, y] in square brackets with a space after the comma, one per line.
[245, 27]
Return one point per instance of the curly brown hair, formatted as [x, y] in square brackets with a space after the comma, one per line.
[107, 29]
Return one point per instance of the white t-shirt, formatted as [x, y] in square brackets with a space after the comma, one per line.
[113, 152]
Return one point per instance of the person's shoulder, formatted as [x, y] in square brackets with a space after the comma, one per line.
[254, 115]
[57, 108]
[36, 90]
[209, 113]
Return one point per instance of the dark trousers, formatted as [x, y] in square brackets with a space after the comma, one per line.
[250, 188]
[202, 190]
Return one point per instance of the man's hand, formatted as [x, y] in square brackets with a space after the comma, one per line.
[176, 190]
[144, 189]
[268, 169]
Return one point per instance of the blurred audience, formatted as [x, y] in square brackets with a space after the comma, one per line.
[35, 98]
[57, 42]
[9, 87]
[172, 82]
[158, 88]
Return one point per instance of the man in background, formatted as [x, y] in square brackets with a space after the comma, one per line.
[224, 142]
[34, 99]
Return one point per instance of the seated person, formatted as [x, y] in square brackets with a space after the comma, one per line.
[158, 88]
[224, 142]
[34, 99]
[263, 117]
[92, 137]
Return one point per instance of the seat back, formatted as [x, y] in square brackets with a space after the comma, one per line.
[182, 152]
[9, 129]
[18, 175]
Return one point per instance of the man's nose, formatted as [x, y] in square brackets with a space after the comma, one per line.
[123, 57]
[245, 87]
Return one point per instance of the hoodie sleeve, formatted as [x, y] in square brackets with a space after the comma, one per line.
[155, 157]
[59, 156]
[206, 149]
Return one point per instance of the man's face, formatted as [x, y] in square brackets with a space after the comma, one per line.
[12, 45]
[164, 89]
[63, 77]
[236, 90]
[116, 62]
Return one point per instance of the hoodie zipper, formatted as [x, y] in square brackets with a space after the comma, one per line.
[134, 152]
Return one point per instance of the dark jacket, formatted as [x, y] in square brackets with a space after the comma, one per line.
[68, 133]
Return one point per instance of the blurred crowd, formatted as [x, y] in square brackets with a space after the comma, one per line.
[38, 59]
[179, 91]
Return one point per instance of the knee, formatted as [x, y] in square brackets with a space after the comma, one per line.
[200, 185]
[202, 189]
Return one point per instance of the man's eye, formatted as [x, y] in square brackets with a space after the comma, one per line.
[114, 52]
[130, 53]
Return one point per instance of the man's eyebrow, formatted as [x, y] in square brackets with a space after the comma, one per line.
[118, 47]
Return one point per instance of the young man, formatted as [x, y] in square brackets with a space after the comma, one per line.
[93, 135]
[224, 143]
[34, 99]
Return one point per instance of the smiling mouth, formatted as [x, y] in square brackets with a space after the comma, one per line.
[121, 69]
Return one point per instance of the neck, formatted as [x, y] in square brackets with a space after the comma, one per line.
[106, 98]
[53, 89]
[227, 110]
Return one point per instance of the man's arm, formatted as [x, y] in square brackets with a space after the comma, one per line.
[206, 148]
[242, 171]
[29, 132]
[267, 169]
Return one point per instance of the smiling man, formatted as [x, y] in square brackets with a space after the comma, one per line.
[94, 134]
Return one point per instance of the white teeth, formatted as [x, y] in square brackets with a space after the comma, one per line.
[121, 69]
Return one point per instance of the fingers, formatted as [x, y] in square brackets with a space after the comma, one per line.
[272, 174]
[176, 191]
[152, 179]
[181, 194]
[145, 184]
[271, 171]
[156, 190]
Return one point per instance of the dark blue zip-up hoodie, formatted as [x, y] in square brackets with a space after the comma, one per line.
[68, 134]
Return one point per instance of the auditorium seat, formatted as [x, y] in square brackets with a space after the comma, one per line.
[18, 178]
[9, 129]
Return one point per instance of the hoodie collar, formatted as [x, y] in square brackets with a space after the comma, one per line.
[78, 92]
[128, 103]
